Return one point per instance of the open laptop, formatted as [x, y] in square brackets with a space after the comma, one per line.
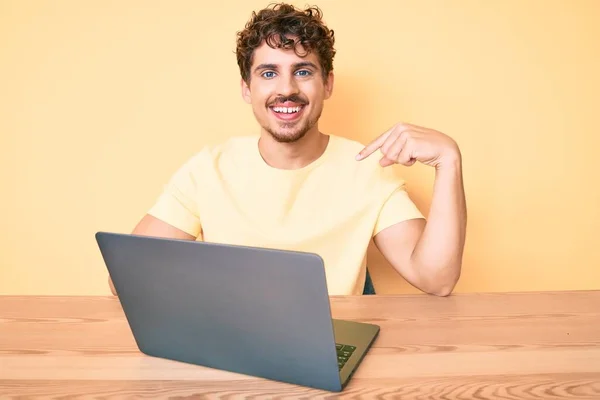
[248, 310]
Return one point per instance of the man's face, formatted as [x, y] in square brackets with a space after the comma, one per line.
[286, 92]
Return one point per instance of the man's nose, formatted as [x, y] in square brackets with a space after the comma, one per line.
[287, 86]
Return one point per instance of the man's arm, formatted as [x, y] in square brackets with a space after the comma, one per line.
[152, 226]
[429, 254]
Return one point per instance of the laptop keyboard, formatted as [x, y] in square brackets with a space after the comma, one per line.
[344, 352]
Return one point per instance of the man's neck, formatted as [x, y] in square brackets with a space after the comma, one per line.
[292, 155]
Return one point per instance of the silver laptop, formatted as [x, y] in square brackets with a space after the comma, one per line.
[247, 310]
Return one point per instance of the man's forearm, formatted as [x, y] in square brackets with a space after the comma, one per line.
[439, 251]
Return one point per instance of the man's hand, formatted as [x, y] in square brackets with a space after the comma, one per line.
[406, 143]
[429, 256]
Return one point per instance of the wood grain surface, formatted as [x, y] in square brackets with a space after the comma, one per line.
[465, 346]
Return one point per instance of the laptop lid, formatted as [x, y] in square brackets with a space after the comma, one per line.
[253, 311]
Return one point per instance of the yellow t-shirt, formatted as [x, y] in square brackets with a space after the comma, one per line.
[332, 207]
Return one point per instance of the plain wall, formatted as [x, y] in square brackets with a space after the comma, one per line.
[101, 101]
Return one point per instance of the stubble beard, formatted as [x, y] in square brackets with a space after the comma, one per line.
[286, 132]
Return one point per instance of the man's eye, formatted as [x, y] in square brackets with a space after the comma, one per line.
[303, 72]
[268, 74]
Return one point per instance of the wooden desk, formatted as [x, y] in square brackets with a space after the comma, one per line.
[509, 346]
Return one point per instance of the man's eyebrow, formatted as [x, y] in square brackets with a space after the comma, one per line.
[265, 66]
[305, 64]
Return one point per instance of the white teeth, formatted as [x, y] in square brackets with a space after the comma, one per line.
[286, 110]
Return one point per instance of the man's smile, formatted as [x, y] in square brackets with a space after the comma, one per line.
[287, 111]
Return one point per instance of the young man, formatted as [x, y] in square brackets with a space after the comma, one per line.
[296, 188]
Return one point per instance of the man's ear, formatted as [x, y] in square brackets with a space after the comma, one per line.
[329, 85]
[246, 92]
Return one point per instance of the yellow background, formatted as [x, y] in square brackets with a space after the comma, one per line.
[100, 101]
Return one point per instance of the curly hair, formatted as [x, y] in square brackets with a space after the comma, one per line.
[274, 23]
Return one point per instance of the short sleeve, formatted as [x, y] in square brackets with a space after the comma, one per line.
[397, 206]
[177, 204]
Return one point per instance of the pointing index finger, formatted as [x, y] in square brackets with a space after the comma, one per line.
[371, 147]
